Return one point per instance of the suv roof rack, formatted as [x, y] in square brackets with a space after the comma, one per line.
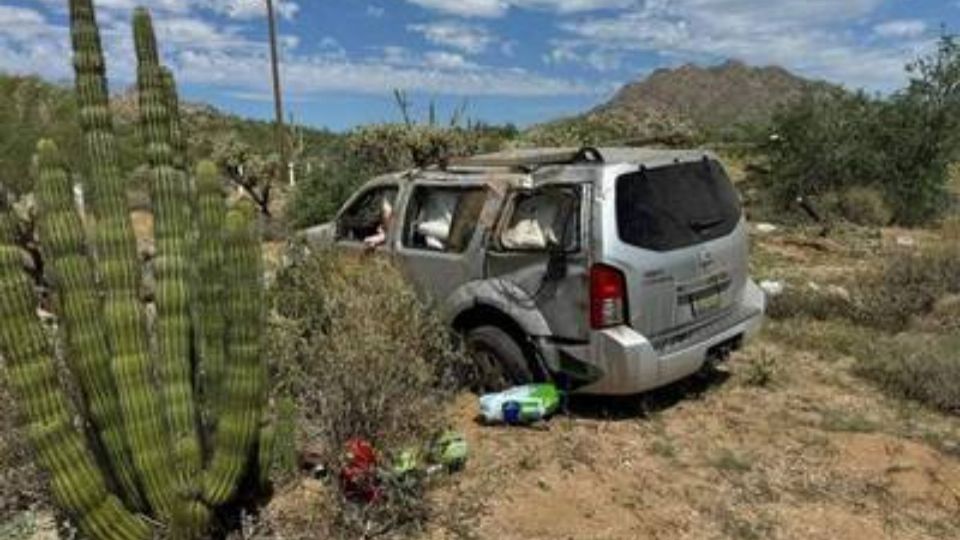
[531, 158]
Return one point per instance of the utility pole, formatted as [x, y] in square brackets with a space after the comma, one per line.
[277, 93]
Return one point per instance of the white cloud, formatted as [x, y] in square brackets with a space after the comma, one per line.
[499, 8]
[467, 8]
[375, 11]
[470, 39]
[904, 28]
[233, 9]
[11, 16]
[447, 60]
[203, 52]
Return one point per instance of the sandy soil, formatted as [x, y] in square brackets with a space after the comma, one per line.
[817, 454]
[811, 453]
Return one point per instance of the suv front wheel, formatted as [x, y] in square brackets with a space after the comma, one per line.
[500, 360]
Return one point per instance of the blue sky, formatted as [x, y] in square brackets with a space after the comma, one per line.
[513, 60]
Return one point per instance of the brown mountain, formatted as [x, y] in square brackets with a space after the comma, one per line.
[711, 98]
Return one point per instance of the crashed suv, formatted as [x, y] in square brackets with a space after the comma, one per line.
[615, 270]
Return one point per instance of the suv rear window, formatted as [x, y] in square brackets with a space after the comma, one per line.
[676, 206]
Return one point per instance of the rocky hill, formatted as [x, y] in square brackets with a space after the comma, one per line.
[711, 98]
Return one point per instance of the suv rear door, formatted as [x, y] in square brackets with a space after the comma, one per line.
[440, 248]
[540, 252]
[676, 232]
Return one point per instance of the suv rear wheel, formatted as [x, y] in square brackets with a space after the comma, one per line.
[500, 360]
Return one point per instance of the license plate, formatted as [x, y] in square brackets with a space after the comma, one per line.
[706, 303]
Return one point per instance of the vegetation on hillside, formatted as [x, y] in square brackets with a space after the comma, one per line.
[717, 101]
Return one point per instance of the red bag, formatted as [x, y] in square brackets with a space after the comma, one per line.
[358, 477]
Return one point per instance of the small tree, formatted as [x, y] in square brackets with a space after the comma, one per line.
[903, 145]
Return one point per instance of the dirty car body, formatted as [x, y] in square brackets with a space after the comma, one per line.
[617, 270]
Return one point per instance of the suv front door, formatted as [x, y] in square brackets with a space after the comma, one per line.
[368, 220]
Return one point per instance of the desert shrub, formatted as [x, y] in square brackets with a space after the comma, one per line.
[862, 205]
[364, 358]
[815, 303]
[918, 366]
[599, 129]
[909, 285]
[395, 147]
[921, 367]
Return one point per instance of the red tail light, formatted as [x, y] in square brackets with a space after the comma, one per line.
[608, 293]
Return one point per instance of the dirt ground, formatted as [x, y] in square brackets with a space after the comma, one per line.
[815, 454]
[780, 442]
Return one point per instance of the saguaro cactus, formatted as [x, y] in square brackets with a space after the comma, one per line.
[172, 429]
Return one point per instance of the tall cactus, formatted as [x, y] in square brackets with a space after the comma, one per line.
[119, 268]
[71, 270]
[160, 455]
[242, 398]
[172, 220]
[77, 484]
[211, 217]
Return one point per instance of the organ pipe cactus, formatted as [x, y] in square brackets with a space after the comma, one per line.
[170, 429]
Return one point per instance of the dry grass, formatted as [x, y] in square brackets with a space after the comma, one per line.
[22, 486]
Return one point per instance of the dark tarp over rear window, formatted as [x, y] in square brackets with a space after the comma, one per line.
[676, 206]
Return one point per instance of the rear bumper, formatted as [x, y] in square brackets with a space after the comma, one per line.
[628, 363]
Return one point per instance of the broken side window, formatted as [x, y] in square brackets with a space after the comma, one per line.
[543, 219]
[369, 215]
[443, 218]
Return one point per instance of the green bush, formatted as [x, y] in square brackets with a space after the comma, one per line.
[834, 140]
[364, 358]
[331, 180]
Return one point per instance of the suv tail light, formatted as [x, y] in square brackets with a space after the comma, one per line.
[608, 292]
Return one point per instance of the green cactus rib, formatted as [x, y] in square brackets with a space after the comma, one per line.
[72, 274]
[173, 219]
[211, 294]
[77, 484]
[119, 269]
[172, 101]
[245, 375]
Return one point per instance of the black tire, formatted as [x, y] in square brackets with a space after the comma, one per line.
[499, 359]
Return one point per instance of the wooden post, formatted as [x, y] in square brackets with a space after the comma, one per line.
[277, 93]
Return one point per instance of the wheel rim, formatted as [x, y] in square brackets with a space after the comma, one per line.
[493, 373]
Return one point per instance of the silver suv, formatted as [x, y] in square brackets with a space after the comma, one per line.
[618, 270]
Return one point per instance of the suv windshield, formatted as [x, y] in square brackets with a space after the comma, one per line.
[676, 206]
